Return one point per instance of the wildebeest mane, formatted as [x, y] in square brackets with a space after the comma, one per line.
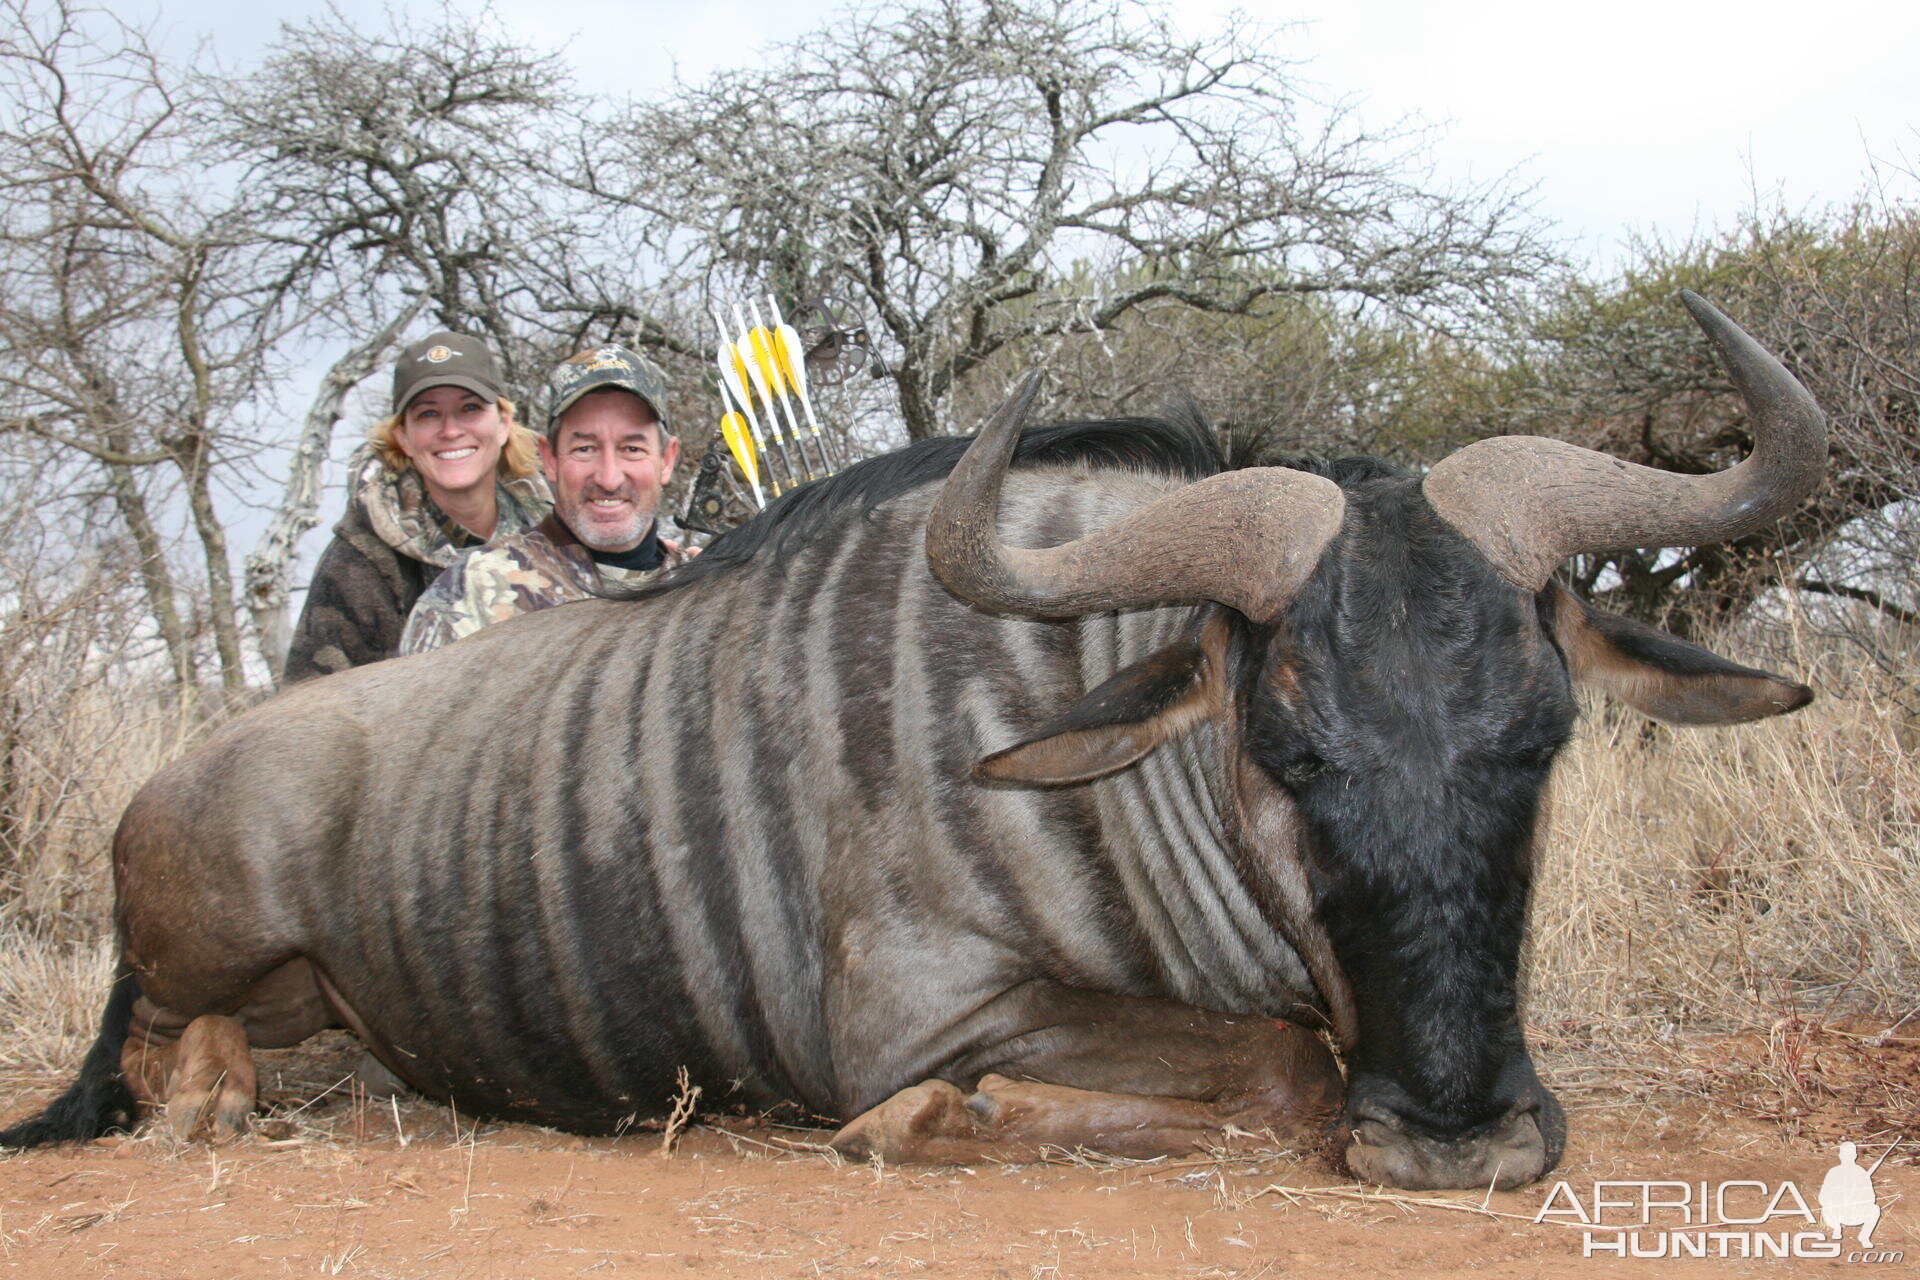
[1183, 446]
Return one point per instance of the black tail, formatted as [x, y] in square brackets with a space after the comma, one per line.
[98, 1101]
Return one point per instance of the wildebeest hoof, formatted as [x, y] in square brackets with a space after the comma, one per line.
[212, 1115]
[376, 1081]
[914, 1125]
[988, 1103]
[214, 1085]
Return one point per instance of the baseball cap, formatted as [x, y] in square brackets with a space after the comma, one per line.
[445, 359]
[599, 367]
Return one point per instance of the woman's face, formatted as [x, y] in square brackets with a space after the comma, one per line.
[454, 437]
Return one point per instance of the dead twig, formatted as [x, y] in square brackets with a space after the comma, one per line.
[684, 1102]
[1395, 1199]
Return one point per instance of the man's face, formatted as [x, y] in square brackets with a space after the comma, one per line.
[608, 462]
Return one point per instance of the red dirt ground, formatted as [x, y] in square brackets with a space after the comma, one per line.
[407, 1190]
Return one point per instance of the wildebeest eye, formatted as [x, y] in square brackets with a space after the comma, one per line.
[1302, 768]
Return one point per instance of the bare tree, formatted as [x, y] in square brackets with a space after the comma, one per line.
[410, 162]
[1307, 376]
[270, 563]
[953, 161]
[1615, 364]
[173, 241]
[66, 620]
[1853, 318]
[992, 181]
[415, 162]
[141, 304]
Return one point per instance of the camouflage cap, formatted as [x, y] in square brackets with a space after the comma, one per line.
[597, 368]
[446, 359]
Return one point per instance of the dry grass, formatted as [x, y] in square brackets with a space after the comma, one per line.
[77, 754]
[77, 749]
[1723, 879]
[50, 995]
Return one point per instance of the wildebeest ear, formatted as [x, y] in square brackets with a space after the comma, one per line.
[1153, 701]
[1664, 676]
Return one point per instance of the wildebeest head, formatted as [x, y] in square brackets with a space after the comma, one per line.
[1392, 676]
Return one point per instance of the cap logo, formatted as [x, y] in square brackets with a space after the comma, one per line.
[439, 355]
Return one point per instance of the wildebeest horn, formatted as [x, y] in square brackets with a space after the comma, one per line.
[1529, 503]
[1246, 539]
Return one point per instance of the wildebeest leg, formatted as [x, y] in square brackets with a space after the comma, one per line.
[200, 1072]
[934, 1123]
[201, 1068]
[213, 1079]
[1127, 1076]
[152, 1049]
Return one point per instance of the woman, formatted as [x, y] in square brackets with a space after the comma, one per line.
[448, 471]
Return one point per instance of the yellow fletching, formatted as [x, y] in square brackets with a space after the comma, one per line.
[747, 347]
[733, 429]
[763, 356]
[740, 366]
[783, 350]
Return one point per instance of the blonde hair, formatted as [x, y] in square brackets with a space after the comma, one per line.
[519, 457]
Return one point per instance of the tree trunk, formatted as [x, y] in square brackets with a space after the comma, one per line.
[12, 819]
[154, 577]
[918, 406]
[220, 602]
[269, 566]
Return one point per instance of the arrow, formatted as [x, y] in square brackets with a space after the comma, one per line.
[793, 368]
[733, 378]
[766, 349]
[733, 429]
[753, 342]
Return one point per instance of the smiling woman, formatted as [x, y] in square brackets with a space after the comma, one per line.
[451, 469]
[454, 438]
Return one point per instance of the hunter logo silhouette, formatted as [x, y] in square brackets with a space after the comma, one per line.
[1846, 1196]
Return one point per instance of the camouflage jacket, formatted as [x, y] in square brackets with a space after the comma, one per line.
[534, 570]
[391, 543]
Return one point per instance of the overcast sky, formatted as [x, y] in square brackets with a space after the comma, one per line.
[1656, 117]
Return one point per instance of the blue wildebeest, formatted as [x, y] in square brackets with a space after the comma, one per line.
[824, 830]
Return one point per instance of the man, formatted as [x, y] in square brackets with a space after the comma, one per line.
[608, 456]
